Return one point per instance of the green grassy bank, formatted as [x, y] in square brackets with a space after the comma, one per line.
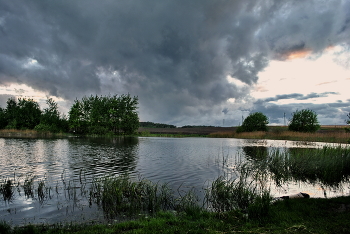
[289, 216]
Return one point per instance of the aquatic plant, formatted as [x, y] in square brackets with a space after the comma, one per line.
[188, 202]
[7, 189]
[120, 195]
[28, 187]
[327, 166]
[244, 194]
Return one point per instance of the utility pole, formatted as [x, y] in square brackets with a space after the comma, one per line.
[284, 118]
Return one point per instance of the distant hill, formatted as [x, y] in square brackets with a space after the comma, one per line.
[155, 125]
[197, 126]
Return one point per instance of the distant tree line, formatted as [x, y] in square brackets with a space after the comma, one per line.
[197, 126]
[91, 115]
[26, 114]
[161, 125]
[155, 125]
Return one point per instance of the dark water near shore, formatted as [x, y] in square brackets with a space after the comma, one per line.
[67, 167]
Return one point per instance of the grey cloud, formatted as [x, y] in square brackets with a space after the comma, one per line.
[3, 100]
[317, 95]
[327, 112]
[174, 55]
[312, 25]
[296, 96]
[284, 96]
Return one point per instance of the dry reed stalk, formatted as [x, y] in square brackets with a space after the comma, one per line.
[332, 137]
[250, 135]
[27, 131]
[223, 134]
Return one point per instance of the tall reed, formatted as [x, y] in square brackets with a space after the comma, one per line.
[328, 166]
[7, 189]
[339, 136]
[120, 195]
[244, 194]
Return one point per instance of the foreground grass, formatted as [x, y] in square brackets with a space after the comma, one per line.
[289, 216]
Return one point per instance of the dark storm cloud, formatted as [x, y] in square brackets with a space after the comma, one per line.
[174, 55]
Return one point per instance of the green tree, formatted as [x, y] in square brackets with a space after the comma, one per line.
[50, 119]
[11, 112]
[76, 120]
[347, 121]
[98, 114]
[24, 114]
[254, 122]
[103, 114]
[129, 121]
[29, 113]
[3, 118]
[304, 121]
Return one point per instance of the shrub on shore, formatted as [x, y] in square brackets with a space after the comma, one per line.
[254, 122]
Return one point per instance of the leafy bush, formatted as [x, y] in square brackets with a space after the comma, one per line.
[304, 121]
[254, 122]
[98, 130]
[46, 128]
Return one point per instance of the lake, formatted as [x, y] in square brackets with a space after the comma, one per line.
[61, 170]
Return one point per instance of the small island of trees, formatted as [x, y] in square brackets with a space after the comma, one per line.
[91, 115]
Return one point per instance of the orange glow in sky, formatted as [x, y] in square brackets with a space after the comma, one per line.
[298, 54]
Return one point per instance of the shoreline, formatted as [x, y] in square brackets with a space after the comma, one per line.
[327, 133]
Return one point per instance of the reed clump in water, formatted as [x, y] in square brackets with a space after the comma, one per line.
[28, 187]
[40, 192]
[243, 194]
[120, 195]
[328, 166]
[7, 188]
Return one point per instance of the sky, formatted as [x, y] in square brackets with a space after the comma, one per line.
[197, 62]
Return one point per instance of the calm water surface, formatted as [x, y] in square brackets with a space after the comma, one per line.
[67, 167]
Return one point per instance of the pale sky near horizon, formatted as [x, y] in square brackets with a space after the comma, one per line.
[190, 63]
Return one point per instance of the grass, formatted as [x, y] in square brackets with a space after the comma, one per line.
[336, 135]
[289, 216]
[327, 166]
[120, 195]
